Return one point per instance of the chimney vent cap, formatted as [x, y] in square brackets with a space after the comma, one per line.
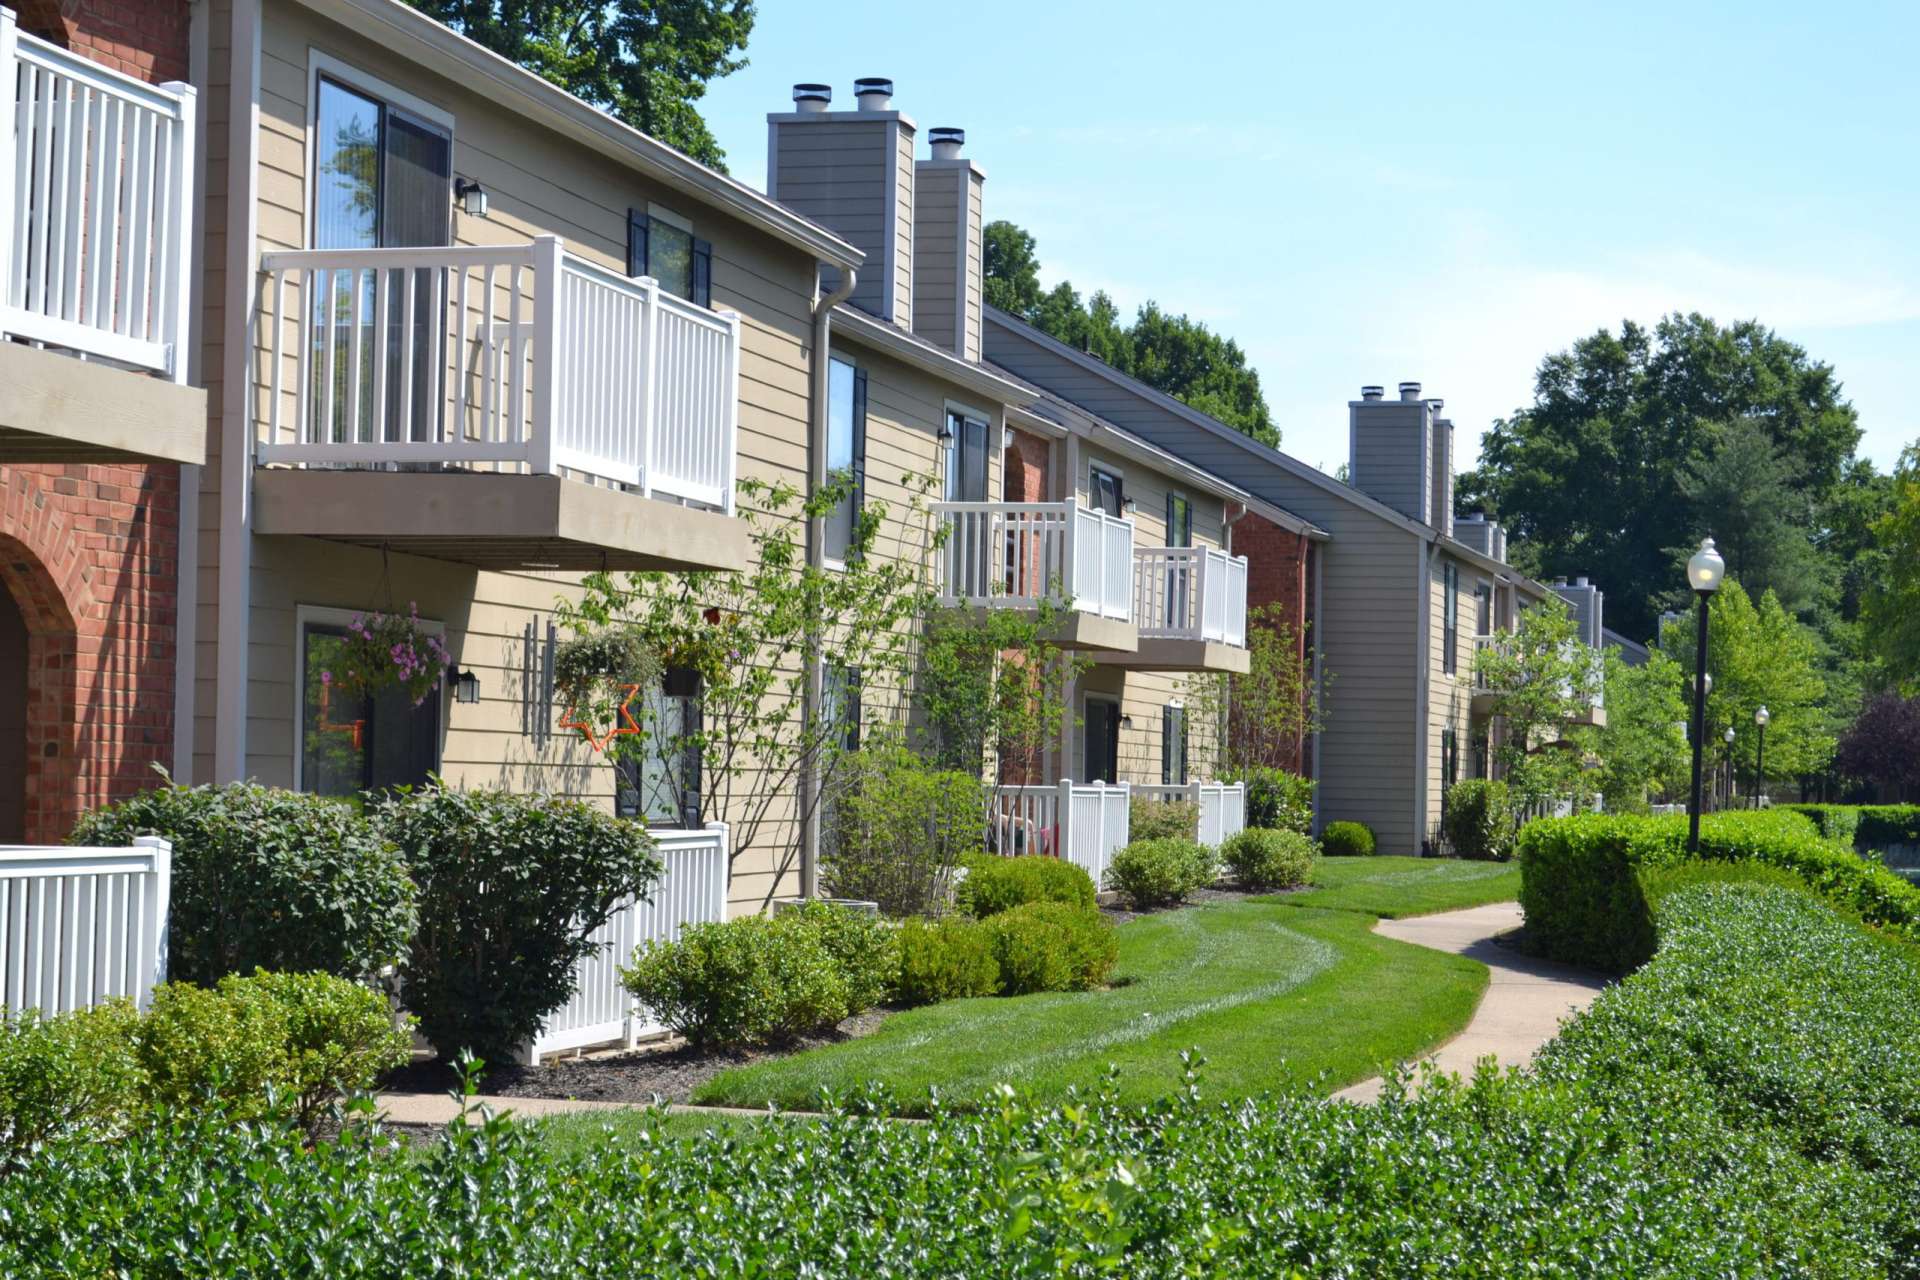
[813, 97]
[875, 93]
[1372, 392]
[1438, 405]
[946, 142]
[1409, 391]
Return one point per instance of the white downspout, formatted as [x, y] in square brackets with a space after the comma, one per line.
[823, 305]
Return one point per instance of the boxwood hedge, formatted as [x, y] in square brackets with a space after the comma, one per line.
[1745, 1105]
[1865, 826]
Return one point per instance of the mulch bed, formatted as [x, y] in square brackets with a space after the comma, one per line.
[668, 1071]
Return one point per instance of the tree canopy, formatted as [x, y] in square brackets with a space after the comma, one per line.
[1171, 353]
[1639, 443]
[646, 62]
[1892, 607]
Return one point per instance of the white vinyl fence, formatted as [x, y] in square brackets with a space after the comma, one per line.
[1085, 823]
[692, 889]
[96, 201]
[1223, 806]
[81, 926]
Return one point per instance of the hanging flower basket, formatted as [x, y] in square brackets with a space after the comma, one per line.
[598, 676]
[381, 650]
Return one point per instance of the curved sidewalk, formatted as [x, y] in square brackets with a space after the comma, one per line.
[1525, 998]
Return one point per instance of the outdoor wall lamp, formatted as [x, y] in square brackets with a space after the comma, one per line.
[1129, 506]
[1704, 572]
[472, 197]
[1006, 438]
[945, 434]
[1126, 722]
[466, 685]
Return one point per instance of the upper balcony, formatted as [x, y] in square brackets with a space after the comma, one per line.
[505, 407]
[1190, 604]
[1591, 712]
[96, 233]
[1013, 555]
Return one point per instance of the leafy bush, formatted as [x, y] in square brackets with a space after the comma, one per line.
[1837, 822]
[511, 887]
[267, 879]
[1276, 800]
[994, 884]
[1582, 890]
[1269, 859]
[895, 830]
[1347, 840]
[948, 959]
[1052, 946]
[1159, 872]
[1742, 1106]
[864, 947]
[1882, 826]
[1162, 819]
[66, 1073]
[1477, 820]
[733, 984]
[308, 1037]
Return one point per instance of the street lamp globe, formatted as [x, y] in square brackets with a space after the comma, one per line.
[1729, 735]
[1761, 717]
[1706, 568]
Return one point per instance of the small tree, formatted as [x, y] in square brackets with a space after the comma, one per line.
[994, 682]
[1882, 745]
[755, 736]
[1541, 677]
[1263, 716]
[1643, 747]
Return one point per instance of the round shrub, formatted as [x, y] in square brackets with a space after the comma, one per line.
[1347, 840]
[1052, 946]
[1269, 859]
[948, 959]
[511, 888]
[268, 879]
[1276, 800]
[734, 984]
[995, 884]
[65, 1073]
[864, 947]
[1477, 820]
[1157, 873]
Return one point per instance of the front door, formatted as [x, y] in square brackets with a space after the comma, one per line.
[1100, 740]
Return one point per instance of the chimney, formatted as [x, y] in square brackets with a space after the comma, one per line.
[1393, 446]
[1476, 531]
[1586, 603]
[948, 255]
[852, 171]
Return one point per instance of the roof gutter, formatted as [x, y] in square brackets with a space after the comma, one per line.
[820, 390]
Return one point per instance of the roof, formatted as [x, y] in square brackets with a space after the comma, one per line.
[1256, 451]
[910, 348]
[413, 35]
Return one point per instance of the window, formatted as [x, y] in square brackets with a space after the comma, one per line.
[662, 246]
[1173, 745]
[1100, 741]
[1450, 623]
[1483, 609]
[1104, 490]
[1179, 520]
[841, 704]
[382, 176]
[1449, 758]
[966, 459]
[354, 743]
[661, 786]
[846, 449]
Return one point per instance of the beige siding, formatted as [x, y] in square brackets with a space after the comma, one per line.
[1450, 696]
[853, 172]
[939, 253]
[1391, 457]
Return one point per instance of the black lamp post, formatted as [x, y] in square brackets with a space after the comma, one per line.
[1760, 719]
[1704, 571]
[1727, 792]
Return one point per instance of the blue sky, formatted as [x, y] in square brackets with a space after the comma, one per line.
[1371, 193]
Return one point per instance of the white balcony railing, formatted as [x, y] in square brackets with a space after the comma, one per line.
[692, 889]
[1019, 553]
[96, 200]
[1086, 823]
[1594, 656]
[520, 358]
[1190, 593]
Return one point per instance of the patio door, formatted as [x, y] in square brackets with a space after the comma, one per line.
[1100, 740]
[1180, 603]
[382, 179]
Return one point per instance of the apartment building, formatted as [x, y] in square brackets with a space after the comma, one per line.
[98, 407]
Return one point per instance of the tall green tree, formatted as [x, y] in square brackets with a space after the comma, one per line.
[1642, 748]
[1761, 520]
[1594, 476]
[1171, 353]
[1541, 678]
[1892, 609]
[647, 62]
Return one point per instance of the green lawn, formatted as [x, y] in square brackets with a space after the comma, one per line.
[1271, 995]
[1394, 887]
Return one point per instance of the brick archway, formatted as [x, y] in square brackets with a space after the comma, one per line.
[49, 747]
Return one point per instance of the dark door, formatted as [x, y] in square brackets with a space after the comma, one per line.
[13, 722]
[1101, 746]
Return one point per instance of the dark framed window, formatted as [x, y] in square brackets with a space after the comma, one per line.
[1179, 520]
[1450, 622]
[1105, 491]
[1482, 756]
[1173, 746]
[842, 704]
[661, 785]
[1483, 609]
[966, 459]
[350, 743]
[681, 262]
[1449, 757]
[1100, 740]
[846, 449]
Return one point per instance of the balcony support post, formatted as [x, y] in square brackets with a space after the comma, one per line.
[650, 398]
[547, 252]
[179, 258]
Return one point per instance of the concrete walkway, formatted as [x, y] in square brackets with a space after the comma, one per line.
[1525, 998]
[439, 1109]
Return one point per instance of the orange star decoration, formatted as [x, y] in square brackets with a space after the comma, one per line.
[601, 742]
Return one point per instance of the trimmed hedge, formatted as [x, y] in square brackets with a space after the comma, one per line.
[1864, 826]
[948, 959]
[1742, 1106]
[1052, 946]
[1347, 840]
[994, 884]
[1477, 820]
[1161, 872]
[1837, 822]
[1269, 858]
[1585, 901]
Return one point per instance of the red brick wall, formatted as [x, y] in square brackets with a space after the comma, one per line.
[144, 38]
[1277, 574]
[90, 553]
